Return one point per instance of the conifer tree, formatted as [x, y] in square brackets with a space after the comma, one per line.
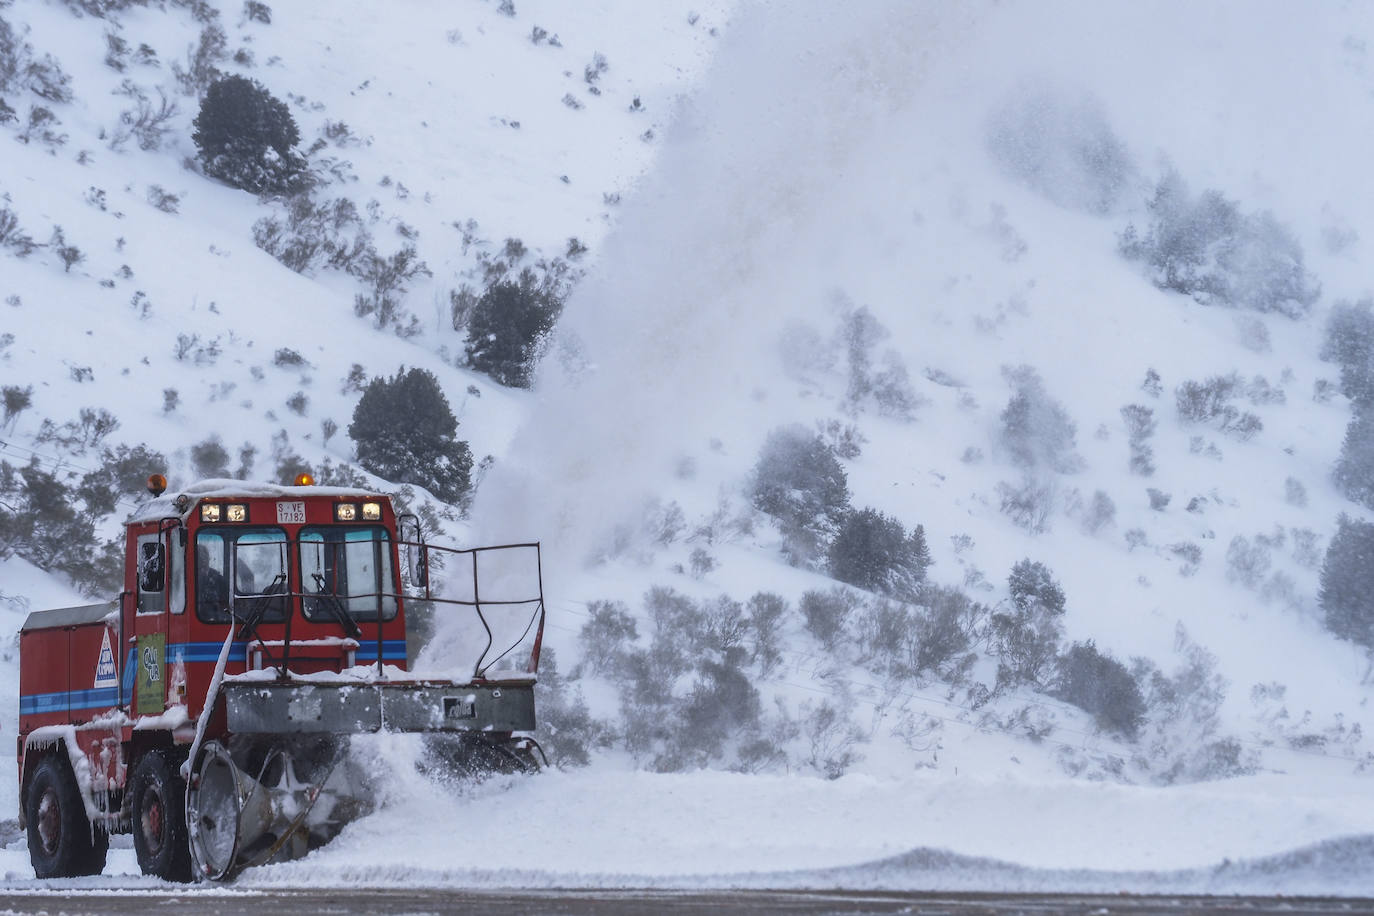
[872, 551]
[246, 136]
[1347, 581]
[1354, 472]
[509, 324]
[406, 433]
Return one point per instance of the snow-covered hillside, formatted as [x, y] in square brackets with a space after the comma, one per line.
[879, 223]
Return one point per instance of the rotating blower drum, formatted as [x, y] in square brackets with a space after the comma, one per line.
[235, 820]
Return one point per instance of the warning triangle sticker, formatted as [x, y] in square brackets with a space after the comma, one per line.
[105, 675]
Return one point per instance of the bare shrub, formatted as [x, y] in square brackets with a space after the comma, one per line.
[825, 613]
[831, 739]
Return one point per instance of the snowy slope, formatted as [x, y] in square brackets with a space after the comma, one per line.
[829, 157]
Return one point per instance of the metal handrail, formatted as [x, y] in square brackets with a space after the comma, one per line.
[296, 598]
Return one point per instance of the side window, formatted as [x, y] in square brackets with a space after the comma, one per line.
[152, 574]
[212, 583]
[176, 578]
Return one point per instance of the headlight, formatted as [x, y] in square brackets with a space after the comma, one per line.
[372, 512]
[209, 512]
[236, 512]
[345, 512]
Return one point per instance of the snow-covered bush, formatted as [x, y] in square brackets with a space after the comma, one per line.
[566, 729]
[15, 400]
[1036, 429]
[831, 738]
[1061, 145]
[825, 613]
[209, 458]
[311, 235]
[257, 11]
[13, 237]
[1347, 581]
[712, 720]
[1028, 504]
[1209, 402]
[1179, 740]
[1247, 562]
[1100, 513]
[766, 613]
[1190, 554]
[944, 627]
[201, 72]
[1100, 685]
[1025, 635]
[873, 551]
[246, 138]
[1140, 425]
[799, 481]
[405, 432]
[1204, 247]
[889, 388]
[385, 279]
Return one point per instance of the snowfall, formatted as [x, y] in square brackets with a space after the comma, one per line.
[742, 168]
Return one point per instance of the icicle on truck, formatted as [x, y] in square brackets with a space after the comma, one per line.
[209, 710]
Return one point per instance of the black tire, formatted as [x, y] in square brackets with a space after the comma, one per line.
[62, 843]
[158, 807]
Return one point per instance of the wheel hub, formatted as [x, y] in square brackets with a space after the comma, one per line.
[49, 821]
[154, 820]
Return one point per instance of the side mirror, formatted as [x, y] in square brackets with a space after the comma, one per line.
[414, 553]
[152, 567]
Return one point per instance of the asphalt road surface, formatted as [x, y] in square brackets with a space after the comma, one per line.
[448, 902]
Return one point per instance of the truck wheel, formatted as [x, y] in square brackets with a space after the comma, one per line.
[62, 843]
[158, 805]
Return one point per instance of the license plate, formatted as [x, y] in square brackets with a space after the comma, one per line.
[291, 513]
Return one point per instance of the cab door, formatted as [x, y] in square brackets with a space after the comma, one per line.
[151, 594]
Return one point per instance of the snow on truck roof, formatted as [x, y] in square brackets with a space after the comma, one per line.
[164, 506]
[106, 611]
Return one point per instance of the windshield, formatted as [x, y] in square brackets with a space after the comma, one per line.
[255, 559]
[350, 566]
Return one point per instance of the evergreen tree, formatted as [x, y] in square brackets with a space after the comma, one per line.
[1347, 581]
[1354, 473]
[1031, 584]
[509, 324]
[872, 551]
[799, 481]
[246, 137]
[405, 433]
[1350, 343]
[1100, 685]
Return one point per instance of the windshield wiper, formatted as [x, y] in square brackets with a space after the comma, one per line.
[261, 605]
[335, 607]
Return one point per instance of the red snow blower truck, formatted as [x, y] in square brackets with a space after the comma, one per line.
[260, 631]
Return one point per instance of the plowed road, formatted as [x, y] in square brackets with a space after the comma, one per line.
[442, 902]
